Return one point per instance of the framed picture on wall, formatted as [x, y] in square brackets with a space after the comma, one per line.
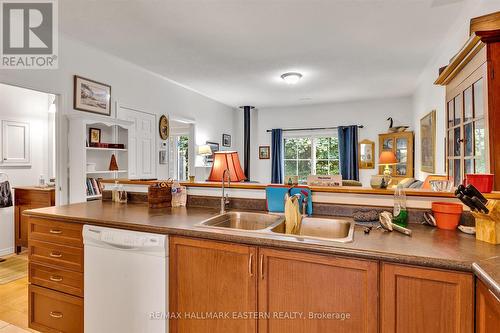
[91, 96]
[264, 152]
[226, 140]
[214, 146]
[428, 142]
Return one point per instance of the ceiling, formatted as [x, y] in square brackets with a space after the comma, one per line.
[234, 51]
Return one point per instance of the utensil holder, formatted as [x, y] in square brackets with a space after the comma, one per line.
[488, 225]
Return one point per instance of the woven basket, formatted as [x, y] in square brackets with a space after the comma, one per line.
[160, 196]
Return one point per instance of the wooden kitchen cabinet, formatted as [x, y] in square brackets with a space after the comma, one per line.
[487, 310]
[425, 300]
[28, 198]
[317, 285]
[208, 277]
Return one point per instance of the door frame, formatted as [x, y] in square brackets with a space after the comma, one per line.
[62, 153]
[192, 140]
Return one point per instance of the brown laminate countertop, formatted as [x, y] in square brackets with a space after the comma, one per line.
[427, 247]
[35, 188]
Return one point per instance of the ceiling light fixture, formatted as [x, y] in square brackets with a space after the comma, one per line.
[291, 77]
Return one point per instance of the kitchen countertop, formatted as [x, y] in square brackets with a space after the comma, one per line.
[35, 188]
[428, 246]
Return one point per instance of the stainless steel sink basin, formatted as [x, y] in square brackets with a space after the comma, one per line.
[337, 230]
[244, 221]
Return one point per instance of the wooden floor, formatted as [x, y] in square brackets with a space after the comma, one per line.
[14, 306]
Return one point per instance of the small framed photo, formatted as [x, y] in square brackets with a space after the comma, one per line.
[94, 135]
[226, 140]
[264, 152]
[91, 96]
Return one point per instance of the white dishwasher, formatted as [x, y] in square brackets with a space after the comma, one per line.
[125, 281]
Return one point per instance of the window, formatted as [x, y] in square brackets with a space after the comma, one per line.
[311, 155]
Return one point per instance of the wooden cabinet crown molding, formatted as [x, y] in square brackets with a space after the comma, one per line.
[472, 47]
[486, 22]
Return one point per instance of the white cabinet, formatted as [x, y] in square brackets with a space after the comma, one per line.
[142, 150]
[15, 142]
[92, 163]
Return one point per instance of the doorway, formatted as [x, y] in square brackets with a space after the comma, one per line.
[181, 149]
[29, 146]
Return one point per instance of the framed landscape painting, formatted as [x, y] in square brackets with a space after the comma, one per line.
[428, 142]
[91, 96]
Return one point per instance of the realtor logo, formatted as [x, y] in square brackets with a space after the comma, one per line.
[29, 35]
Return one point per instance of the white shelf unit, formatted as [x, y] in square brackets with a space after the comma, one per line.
[112, 131]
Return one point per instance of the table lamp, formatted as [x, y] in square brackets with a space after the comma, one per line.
[387, 157]
[205, 151]
[226, 160]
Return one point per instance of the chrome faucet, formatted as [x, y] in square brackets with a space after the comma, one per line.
[224, 200]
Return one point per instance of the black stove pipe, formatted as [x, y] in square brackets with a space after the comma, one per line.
[246, 139]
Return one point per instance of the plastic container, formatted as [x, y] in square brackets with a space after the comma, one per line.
[447, 214]
[179, 195]
[400, 213]
[482, 181]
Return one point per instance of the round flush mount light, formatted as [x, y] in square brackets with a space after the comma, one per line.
[291, 77]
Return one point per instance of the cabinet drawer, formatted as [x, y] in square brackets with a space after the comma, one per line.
[35, 198]
[58, 256]
[58, 279]
[52, 311]
[56, 232]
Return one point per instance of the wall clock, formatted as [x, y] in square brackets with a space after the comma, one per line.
[164, 128]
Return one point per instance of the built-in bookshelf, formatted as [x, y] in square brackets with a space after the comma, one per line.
[89, 164]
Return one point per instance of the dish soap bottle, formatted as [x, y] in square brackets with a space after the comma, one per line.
[400, 212]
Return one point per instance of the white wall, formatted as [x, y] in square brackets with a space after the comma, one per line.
[28, 106]
[132, 87]
[370, 113]
[427, 96]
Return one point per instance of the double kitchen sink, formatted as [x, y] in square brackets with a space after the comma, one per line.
[324, 229]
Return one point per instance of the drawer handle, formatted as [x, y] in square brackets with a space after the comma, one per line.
[55, 231]
[55, 278]
[55, 254]
[56, 314]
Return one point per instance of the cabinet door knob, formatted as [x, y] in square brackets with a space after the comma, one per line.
[55, 278]
[55, 231]
[54, 254]
[56, 314]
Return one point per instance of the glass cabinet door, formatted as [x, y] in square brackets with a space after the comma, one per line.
[466, 147]
[401, 156]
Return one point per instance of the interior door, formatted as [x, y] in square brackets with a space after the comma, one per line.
[142, 143]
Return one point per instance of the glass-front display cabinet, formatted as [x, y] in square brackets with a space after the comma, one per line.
[401, 144]
[472, 108]
[466, 132]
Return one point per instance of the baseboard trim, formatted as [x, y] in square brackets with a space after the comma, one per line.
[7, 251]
